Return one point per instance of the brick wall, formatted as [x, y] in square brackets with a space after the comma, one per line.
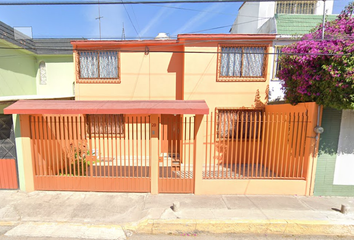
[327, 157]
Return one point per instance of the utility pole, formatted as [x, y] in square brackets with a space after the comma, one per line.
[99, 18]
[323, 19]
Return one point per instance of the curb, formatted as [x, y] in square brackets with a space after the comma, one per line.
[293, 227]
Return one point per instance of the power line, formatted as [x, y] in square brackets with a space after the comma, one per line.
[130, 20]
[211, 52]
[28, 3]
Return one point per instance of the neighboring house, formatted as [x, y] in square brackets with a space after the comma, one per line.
[185, 115]
[334, 176]
[289, 20]
[29, 69]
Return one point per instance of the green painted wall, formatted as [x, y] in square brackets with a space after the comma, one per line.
[326, 162]
[60, 75]
[17, 72]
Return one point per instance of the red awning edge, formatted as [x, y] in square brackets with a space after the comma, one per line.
[108, 107]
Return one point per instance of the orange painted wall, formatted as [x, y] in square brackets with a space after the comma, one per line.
[200, 81]
[152, 76]
[165, 75]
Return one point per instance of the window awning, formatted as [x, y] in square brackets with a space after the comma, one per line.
[108, 107]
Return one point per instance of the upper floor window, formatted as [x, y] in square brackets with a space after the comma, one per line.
[277, 66]
[246, 63]
[102, 65]
[295, 7]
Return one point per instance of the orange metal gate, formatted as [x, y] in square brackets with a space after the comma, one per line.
[176, 159]
[91, 152]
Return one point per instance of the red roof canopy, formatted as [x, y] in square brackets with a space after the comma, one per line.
[107, 107]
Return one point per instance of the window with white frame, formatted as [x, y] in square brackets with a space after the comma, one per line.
[277, 65]
[98, 65]
[241, 62]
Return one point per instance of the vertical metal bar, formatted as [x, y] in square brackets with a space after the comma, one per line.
[51, 134]
[126, 134]
[145, 145]
[41, 145]
[271, 160]
[214, 155]
[268, 119]
[121, 134]
[228, 144]
[176, 151]
[210, 146]
[115, 135]
[249, 145]
[254, 118]
[297, 140]
[56, 142]
[141, 147]
[232, 160]
[223, 145]
[262, 166]
[303, 149]
[95, 134]
[130, 170]
[237, 150]
[283, 143]
[185, 150]
[244, 139]
[206, 147]
[189, 154]
[34, 145]
[259, 118]
[288, 143]
[301, 140]
[293, 145]
[276, 148]
[45, 145]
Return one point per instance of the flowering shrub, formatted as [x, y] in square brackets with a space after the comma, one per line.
[322, 70]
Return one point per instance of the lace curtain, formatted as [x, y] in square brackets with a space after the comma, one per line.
[251, 63]
[108, 65]
[105, 62]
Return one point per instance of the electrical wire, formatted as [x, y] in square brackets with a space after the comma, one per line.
[29, 3]
[203, 52]
[137, 33]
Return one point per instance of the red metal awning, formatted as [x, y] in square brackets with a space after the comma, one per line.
[108, 107]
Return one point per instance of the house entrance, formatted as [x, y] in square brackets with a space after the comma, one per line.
[176, 158]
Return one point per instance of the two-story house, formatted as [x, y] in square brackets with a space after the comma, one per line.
[29, 69]
[289, 20]
[185, 115]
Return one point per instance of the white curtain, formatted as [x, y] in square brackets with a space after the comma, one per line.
[253, 61]
[108, 65]
[231, 61]
[88, 65]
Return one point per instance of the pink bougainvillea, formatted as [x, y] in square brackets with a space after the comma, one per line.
[322, 70]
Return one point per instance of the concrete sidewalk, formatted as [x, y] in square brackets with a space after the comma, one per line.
[118, 215]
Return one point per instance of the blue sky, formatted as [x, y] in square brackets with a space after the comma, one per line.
[79, 20]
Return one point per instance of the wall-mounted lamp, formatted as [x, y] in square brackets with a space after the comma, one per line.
[318, 129]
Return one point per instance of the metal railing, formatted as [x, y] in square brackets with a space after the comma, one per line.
[295, 7]
[255, 145]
